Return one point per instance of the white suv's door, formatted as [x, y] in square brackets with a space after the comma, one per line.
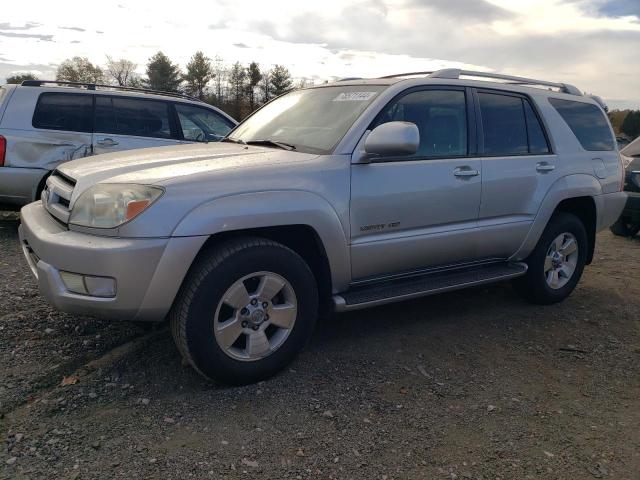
[125, 122]
[420, 211]
[518, 169]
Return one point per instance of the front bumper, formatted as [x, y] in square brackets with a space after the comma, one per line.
[148, 271]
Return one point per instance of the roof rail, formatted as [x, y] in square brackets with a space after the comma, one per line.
[456, 73]
[94, 86]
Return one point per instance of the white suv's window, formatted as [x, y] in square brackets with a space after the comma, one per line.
[587, 122]
[71, 112]
[132, 116]
[201, 124]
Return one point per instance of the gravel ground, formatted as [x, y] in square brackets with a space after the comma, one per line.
[473, 384]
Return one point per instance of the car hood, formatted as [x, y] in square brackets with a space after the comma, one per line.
[164, 165]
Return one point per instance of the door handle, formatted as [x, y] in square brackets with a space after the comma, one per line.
[107, 142]
[545, 167]
[465, 172]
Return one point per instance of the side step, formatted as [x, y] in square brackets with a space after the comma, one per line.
[427, 284]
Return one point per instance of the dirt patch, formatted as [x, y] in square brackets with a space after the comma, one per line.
[474, 384]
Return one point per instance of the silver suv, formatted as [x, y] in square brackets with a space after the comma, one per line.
[45, 123]
[337, 197]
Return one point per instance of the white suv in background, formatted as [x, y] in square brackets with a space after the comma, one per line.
[46, 123]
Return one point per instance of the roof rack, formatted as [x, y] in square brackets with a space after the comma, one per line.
[94, 86]
[455, 73]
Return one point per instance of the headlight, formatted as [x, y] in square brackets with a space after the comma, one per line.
[111, 205]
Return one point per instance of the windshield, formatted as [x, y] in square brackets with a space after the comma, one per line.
[312, 120]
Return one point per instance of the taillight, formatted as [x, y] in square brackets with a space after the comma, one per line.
[3, 150]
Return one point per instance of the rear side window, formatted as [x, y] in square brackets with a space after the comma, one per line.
[510, 126]
[64, 111]
[201, 124]
[132, 116]
[587, 122]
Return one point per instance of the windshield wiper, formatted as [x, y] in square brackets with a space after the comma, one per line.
[233, 140]
[272, 143]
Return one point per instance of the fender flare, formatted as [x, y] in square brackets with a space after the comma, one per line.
[570, 186]
[273, 209]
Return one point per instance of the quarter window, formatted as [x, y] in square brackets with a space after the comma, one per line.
[201, 124]
[132, 116]
[441, 118]
[587, 122]
[64, 111]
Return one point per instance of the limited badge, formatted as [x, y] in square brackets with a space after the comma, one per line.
[354, 96]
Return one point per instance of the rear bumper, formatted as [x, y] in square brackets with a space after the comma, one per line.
[148, 272]
[18, 186]
[631, 210]
[609, 207]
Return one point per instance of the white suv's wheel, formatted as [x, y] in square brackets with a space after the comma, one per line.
[246, 308]
[557, 262]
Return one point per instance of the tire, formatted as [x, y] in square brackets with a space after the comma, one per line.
[540, 285]
[210, 310]
[623, 228]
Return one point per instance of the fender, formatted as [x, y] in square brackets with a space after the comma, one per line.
[272, 209]
[570, 186]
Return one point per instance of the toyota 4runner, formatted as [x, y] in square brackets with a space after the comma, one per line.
[340, 197]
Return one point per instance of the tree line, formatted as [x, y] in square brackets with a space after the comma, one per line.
[626, 122]
[236, 89]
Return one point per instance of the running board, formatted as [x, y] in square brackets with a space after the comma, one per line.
[428, 284]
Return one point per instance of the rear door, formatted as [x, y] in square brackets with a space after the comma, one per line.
[518, 168]
[125, 123]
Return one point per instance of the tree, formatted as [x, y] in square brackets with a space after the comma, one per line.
[281, 81]
[265, 86]
[79, 69]
[631, 124]
[18, 78]
[237, 81]
[199, 74]
[122, 71]
[162, 74]
[254, 77]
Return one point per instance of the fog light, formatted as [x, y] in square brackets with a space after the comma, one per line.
[88, 285]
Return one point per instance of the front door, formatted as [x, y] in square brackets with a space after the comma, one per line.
[125, 123]
[420, 211]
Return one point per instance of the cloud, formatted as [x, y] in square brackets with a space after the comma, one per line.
[26, 26]
[44, 38]
[241, 45]
[76, 29]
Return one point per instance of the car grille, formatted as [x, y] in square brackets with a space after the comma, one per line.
[56, 196]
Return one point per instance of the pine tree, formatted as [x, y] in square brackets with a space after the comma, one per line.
[237, 81]
[254, 77]
[631, 124]
[281, 81]
[162, 74]
[199, 74]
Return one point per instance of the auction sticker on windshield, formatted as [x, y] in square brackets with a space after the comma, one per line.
[354, 96]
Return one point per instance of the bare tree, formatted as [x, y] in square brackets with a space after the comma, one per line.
[219, 79]
[122, 71]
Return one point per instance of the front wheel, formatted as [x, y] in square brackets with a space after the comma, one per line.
[557, 262]
[247, 307]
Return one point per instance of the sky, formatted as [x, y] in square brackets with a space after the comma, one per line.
[593, 44]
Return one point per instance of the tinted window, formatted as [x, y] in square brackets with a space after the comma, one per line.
[132, 116]
[503, 123]
[201, 124]
[587, 122]
[441, 118]
[64, 111]
[537, 140]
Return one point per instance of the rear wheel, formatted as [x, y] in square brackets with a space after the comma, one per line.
[624, 228]
[246, 309]
[557, 262]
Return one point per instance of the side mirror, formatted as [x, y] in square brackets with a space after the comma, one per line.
[393, 138]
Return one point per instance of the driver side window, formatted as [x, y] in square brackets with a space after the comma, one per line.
[441, 118]
[200, 124]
